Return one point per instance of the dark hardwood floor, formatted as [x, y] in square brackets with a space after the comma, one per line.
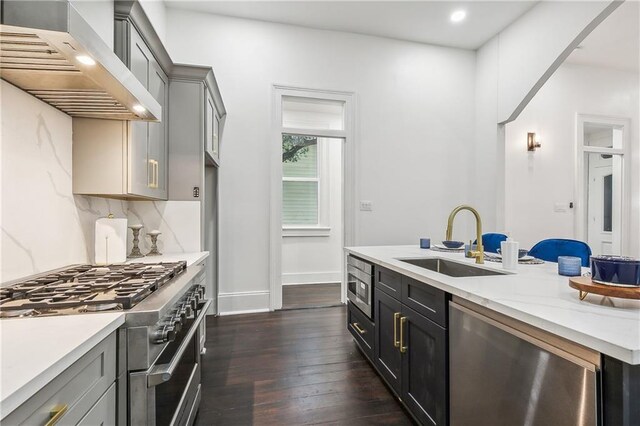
[290, 368]
[310, 295]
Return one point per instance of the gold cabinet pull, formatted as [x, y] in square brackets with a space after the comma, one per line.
[154, 173]
[396, 342]
[157, 174]
[403, 348]
[357, 327]
[56, 414]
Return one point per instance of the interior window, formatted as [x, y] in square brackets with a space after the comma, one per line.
[300, 180]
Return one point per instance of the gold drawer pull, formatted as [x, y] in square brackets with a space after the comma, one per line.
[56, 414]
[357, 327]
[396, 342]
[403, 348]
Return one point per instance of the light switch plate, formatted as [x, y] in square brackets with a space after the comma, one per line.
[366, 206]
[561, 207]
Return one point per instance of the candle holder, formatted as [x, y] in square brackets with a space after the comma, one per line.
[135, 250]
[154, 243]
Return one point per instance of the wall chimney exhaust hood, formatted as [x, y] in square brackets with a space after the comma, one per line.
[51, 52]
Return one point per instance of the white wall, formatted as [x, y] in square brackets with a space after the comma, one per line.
[414, 118]
[156, 11]
[532, 47]
[44, 226]
[510, 69]
[536, 181]
[487, 174]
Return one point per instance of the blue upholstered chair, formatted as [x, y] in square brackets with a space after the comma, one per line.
[491, 241]
[551, 249]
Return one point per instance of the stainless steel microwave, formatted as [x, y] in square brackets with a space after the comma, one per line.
[360, 284]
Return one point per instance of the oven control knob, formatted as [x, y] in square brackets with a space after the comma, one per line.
[180, 313]
[200, 291]
[164, 334]
[177, 322]
[188, 310]
[193, 303]
[181, 316]
[172, 322]
[185, 311]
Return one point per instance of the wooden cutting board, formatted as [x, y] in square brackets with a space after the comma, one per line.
[585, 285]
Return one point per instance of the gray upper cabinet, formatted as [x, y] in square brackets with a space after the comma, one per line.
[196, 120]
[128, 159]
[148, 151]
[212, 130]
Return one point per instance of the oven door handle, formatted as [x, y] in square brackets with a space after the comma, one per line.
[159, 374]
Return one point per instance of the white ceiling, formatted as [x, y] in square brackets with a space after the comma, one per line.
[615, 43]
[419, 21]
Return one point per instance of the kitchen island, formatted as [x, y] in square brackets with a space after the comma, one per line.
[604, 330]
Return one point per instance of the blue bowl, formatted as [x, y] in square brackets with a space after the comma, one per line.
[569, 266]
[453, 244]
[618, 270]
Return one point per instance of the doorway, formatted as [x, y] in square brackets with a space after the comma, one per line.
[311, 218]
[601, 181]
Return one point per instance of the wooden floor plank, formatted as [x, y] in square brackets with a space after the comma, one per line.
[291, 368]
[299, 296]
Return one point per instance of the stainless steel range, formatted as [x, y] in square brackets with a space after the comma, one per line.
[160, 343]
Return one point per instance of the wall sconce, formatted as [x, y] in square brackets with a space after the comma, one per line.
[532, 142]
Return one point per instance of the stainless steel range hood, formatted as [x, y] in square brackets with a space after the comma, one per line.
[50, 51]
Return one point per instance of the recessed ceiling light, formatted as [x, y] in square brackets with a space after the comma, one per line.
[139, 108]
[458, 16]
[87, 60]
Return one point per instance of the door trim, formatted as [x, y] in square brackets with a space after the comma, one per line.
[580, 211]
[348, 191]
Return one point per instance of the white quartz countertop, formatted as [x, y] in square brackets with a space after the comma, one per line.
[535, 294]
[33, 351]
[191, 258]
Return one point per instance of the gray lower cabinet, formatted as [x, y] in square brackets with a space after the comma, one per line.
[410, 349]
[85, 393]
[103, 413]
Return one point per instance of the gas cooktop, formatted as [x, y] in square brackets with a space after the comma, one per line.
[86, 288]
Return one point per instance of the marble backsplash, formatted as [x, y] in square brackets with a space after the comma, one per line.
[43, 225]
[179, 222]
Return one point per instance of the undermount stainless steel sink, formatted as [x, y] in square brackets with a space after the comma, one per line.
[450, 268]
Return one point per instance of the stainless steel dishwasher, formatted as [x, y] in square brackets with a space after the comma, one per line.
[501, 374]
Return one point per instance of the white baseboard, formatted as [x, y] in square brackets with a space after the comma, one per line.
[243, 302]
[311, 277]
[251, 311]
